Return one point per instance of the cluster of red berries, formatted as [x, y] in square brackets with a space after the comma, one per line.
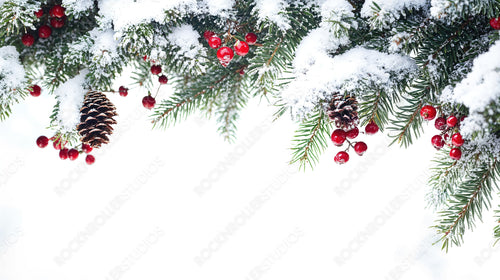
[449, 128]
[495, 23]
[148, 101]
[225, 54]
[56, 19]
[340, 136]
[65, 153]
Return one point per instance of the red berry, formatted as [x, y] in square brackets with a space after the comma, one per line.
[251, 38]
[371, 128]
[341, 157]
[440, 123]
[208, 34]
[457, 140]
[353, 133]
[123, 91]
[338, 137]
[90, 159]
[495, 23]
[455, 153]
[451, 121]
[163, 79]
[241, 48]
[73, 154]
[214, 42]
[446, 136]
[57, 144]
[35, 90]
[360, 148]
[155, 69]
[428, 112]
[57, 22]
[42, 141]
[44, 31]
[225, 55]
[63, 154]
[148, 102]
[39, 13]
[86, 148]
[145, 58]
[437, 141]
[242, 72]
[57, 11]
[463, 118]
[28, 40]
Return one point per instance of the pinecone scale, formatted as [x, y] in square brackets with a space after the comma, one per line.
[343, 111]
[96, 118]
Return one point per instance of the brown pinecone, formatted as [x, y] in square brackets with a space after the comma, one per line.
[343, 111]
[96, 118]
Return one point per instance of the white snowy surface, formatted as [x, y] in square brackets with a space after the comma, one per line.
[329, 7]
[138, 212]
[70, 95]
[273, 11]
[105, 46]
[124, 13]
[482, 84]
[390, 6]
[318, 75]
[78, 6]
[186, 38]
[12, 74]
[449, 10]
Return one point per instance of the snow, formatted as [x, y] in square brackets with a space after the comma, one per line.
[70, 96]
[105, 46]
[12, 74]
[318, 75]
[217, 7]
[78, 6]
[125, 13]
[482, 84]
[272, 11]
[330, 7]
[186, 38]
[391, 6]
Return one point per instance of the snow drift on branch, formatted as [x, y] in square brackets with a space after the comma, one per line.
[125, 13]
[70, 96]
[318, 74]
[186, 38]
[482, 84]
[12, 73]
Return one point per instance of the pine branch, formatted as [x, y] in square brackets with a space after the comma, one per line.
[496, 230]
[377, 106]
[445, 177]
[471, 197]
[184, 103]
[407, 122]
[229, 104]
[16, 17]
[311, 139]
[142, 74]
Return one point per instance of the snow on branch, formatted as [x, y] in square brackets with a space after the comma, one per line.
[12, 74]
[70, 97]
[319, 75]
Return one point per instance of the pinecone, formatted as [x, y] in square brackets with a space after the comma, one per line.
[96, 118]
[343, 110]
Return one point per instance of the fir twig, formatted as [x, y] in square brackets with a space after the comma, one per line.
[311, 139]
[473, 195]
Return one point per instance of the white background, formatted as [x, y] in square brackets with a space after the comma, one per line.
[184, 204]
